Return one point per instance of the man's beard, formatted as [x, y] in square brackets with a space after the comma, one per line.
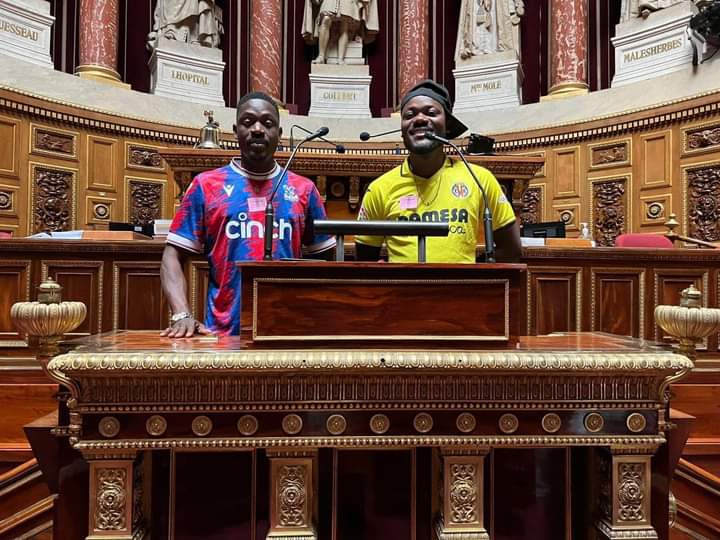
[424, 147]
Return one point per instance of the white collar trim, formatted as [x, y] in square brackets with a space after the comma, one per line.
[238, 168]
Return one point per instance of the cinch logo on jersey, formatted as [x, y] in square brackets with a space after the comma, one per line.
[242, 228]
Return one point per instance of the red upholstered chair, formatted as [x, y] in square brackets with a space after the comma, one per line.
[4, 234]
[637, 240]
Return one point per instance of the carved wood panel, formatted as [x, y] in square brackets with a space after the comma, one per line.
[53, 142]
[655, 209]
[702, 202]
[532, 205]
[555, 300]
[669, 283]
[8, 200]
[99, 209]
[145, 200]
[617, 303]
[102, 166]
[702, 138]
[138, 301]
[567, 172]
[656, 159]
[609, 210]
[82, 281]
[569, 214]
[9, 135]
[612, 154]
[53, 201]
[139, 156]
[15, 287]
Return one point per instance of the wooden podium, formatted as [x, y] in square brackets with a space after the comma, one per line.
[359, 304]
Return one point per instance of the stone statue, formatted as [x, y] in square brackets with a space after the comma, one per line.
[197, 22]
[488, 26]
[631, 9]
[339, 22]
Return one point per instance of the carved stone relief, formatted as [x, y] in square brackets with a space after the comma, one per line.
[703, 196]
[531, 206]
[606, 155]
[141, 156]
[52, 199]
[608, 206]
[145, 202]
[292, 496]
[111, 499]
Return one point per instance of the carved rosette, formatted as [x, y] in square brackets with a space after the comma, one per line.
[110, 499]
[53, 199]
[703, 138]
[551, 423]
[248, 425]
[336, 424]
[531, 206]
[463, 493]
[145, 202]
[630, 491]
[466, 422]
[594, 422]
[141, 156]
[703, 200]
[379, 424]
[6, 201]
[109, 427]
[608, 211]
[292, 496]
[156, 425]
[508, 423]
[636, 422]
[423, 422]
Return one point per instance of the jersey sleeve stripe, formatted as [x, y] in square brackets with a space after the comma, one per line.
[180, 241]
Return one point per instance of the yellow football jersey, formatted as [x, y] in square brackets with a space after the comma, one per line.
[450, 195]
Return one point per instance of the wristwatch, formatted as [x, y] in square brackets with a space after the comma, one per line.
[177, 317]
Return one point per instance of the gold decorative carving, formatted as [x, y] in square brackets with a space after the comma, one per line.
[531, 211]
[594, 422]
[567, 216]
[248, 425]
[636, 422]
[109, 427]
[156, 425]
[145, 201]
[101, 211]
[336, 424]
[508, 423]
[111, 486]
[463, 493]
[703, 202]
[466, 422]
[630, 491]
[689, 322]
[292, 496]
[379, 424]
[6, 201]
[53, 198]
[53, 142]
[423, 422]
[608, 203]
[704, 137]
[201, 426]
[551, 423]
[292, 424]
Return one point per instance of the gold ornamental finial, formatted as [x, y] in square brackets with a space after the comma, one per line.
[49, 292]
[689, 322]
[672, 223]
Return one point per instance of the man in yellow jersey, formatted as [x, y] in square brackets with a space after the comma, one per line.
[430, 186]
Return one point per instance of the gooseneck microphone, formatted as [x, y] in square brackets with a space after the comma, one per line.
[487, 213]
[365, 136]
[269, 210]
[339, 148]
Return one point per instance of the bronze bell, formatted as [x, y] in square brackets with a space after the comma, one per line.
[209, 134]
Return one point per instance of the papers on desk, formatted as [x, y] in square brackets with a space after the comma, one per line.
[532, 242]
[58, 235]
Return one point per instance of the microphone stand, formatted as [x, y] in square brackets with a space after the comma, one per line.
[487, 214]
[339, 148]
[269, 210]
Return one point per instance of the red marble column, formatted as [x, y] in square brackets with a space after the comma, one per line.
[265, 47]
[568, 47]
[99, 40]
[414, 43]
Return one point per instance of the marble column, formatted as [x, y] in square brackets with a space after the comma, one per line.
[265, 47]
[414, 43]
[99, 40]
[568, 47]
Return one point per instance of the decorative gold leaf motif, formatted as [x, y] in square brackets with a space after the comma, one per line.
[109, 427]
[292, 496]
[110, 499]
[379, 424]
[466, 422]
[508, 423]
[292, 424]
[156, 425]
[248, 425]
[201, 426]
[463, 493]
[594, 422]
[551, 423]
[636, 422]
[336, 424]
[630, 491]
[423, 422]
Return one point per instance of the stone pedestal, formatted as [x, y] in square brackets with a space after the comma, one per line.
[340, 91]
[496, 83]
[652, 47]
[187, 72]
[25, 30]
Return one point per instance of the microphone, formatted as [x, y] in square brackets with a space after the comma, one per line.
[339, 148]
[269, 210]
[365, 136]
[487, 214]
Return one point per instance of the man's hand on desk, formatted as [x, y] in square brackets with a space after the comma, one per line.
[183, 328]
